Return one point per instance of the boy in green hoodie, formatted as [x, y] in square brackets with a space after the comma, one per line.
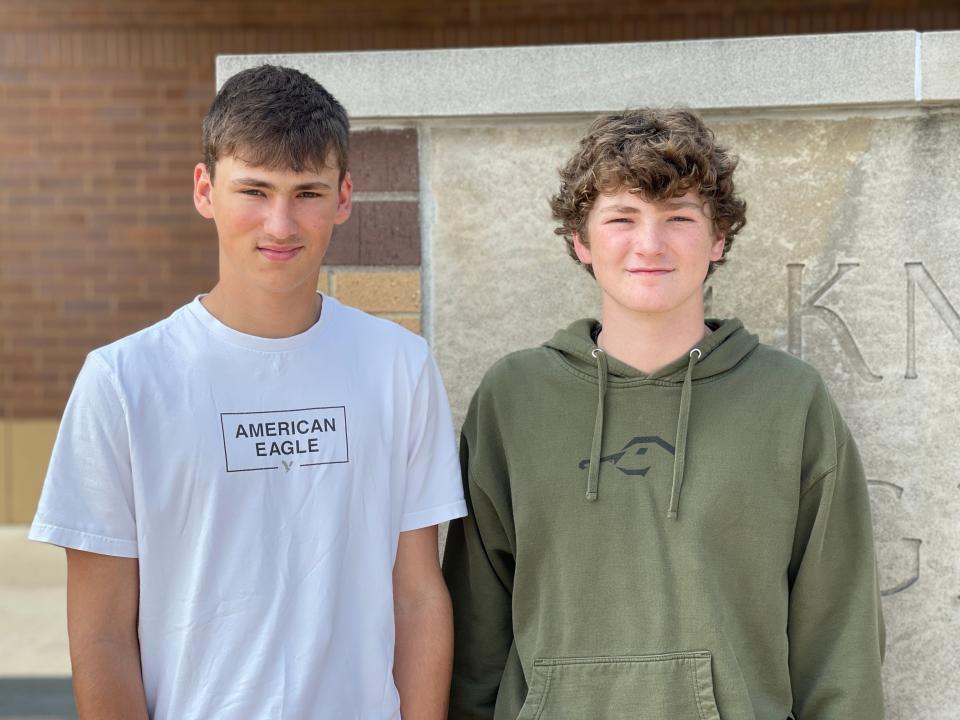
[669, 520]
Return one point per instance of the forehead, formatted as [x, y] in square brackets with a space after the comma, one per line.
[233, 167]
[633, 201]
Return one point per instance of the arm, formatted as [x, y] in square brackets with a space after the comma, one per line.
[836, 629]
[423, 653]
[102, 607]
[478, 565]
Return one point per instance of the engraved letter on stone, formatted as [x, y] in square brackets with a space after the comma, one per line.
[917, 275]
[798, 308]
[913, 574]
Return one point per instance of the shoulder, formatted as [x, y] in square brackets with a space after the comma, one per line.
[143, 344]
[801, 385]
[508, 382]
[370, 331]
[769, 360]
[779, 374]
[384, 352]
[519, 366]
[106, 386]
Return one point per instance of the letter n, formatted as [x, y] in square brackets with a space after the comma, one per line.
[798, 308]
[917, 276]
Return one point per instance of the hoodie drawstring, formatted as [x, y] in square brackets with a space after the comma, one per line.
[679, 457]
[593, 474]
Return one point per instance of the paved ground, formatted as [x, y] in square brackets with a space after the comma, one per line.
[34, 661]
[35, 698]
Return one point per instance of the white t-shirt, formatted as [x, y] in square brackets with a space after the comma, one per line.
[263, 484]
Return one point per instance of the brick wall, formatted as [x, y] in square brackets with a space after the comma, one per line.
[100, 104]
[100, 107]
[98, 235]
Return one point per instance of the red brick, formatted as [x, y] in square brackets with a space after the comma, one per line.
[86, 308]
[136, 165]
[26, 93]
[384, 161]
[389, 233]
[81, 92]
[55, 183]
[345, 244]
[30, 200]
[134, 92]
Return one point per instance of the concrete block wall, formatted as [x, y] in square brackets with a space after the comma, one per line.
[849, 258]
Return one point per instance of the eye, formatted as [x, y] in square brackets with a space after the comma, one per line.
[620, 220]
[253, 192]
[309, 195]
[681, 218]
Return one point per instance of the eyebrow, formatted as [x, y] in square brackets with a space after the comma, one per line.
[633, 210]
[683, 203]
[257, 183]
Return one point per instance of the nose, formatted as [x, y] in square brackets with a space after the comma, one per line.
[279, 222]
[648, 238]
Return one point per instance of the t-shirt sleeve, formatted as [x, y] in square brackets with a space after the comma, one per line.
[87, 501]
[434, 492]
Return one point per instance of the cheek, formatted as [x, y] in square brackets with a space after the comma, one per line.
[319, 217]
[236, 216]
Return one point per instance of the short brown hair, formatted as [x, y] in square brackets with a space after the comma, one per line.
[659, 154]
[276, 117]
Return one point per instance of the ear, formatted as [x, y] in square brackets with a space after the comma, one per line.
[716, 250]
[344, 200]
[202, 191]
[582, 250]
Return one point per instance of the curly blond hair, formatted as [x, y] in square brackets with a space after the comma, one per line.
[658, 153]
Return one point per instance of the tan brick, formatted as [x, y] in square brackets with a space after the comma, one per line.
[323, 282]
[4, 482]
[411, 321]
[379, 292]
[30, 444]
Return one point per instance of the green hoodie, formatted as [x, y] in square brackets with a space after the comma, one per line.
[693, 543]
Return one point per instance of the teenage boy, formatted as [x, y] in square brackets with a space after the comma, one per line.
[668, 519]
[249, 490]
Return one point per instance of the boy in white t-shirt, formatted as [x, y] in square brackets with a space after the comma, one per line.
[249, 490]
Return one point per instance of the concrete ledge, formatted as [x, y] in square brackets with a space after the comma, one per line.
[940, 66]
[797, 71]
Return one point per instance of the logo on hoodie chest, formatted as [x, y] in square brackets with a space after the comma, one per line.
[632, 460]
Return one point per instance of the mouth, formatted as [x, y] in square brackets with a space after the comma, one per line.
[279, 253]
[649, 272]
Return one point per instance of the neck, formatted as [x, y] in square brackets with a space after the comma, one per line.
[648, 342]
[268, 315]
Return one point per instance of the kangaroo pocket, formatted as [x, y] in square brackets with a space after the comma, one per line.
[673, 686]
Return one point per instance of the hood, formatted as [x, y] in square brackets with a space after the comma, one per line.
[721, 350]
